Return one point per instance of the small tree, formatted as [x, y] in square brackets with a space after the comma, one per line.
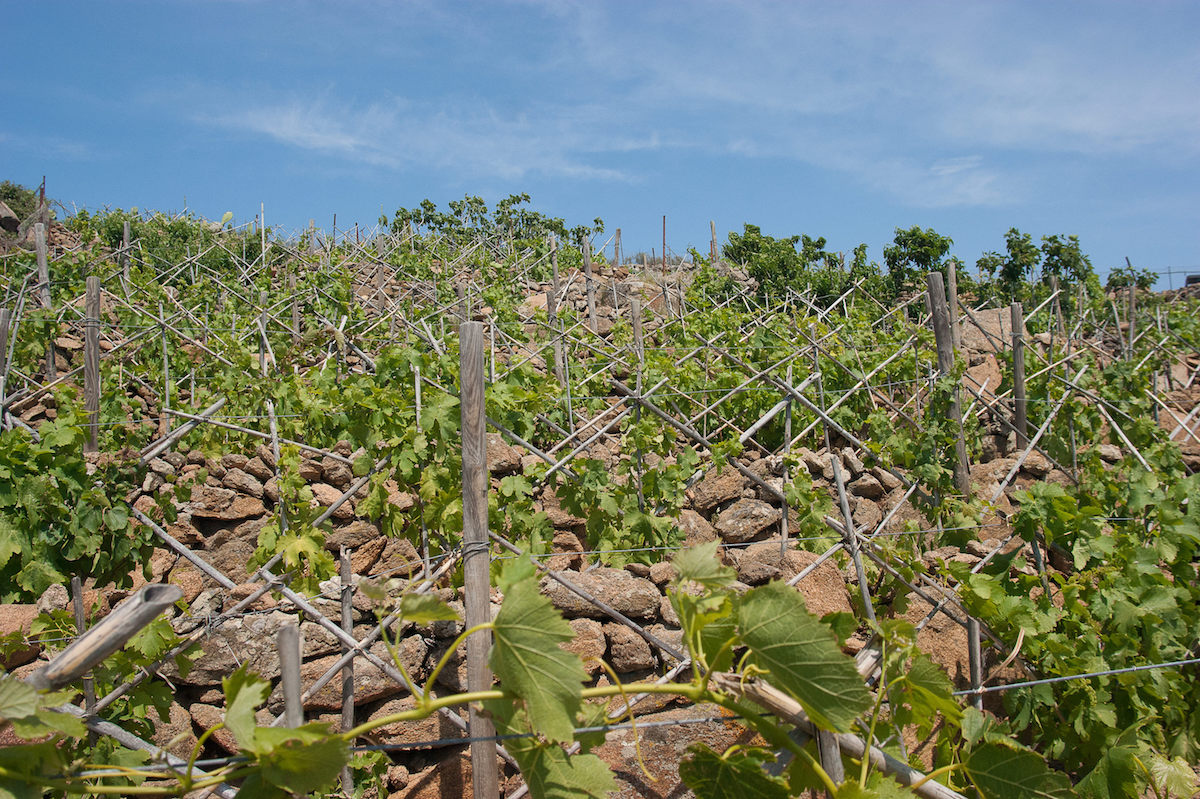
[914, 253]
[1021, 260]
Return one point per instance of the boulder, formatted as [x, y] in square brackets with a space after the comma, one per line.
[627, 651]
[635, 597]
[746, 520]
[717, 488]
[502, 459]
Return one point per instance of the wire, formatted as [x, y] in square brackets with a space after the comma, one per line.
[1066, 678]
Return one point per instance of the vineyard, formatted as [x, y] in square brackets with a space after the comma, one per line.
[472, 502]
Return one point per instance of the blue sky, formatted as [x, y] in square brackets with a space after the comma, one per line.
[844, 120]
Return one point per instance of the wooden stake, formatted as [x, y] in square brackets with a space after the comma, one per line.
[476, 579]
[348, 669]
[975, 660]
[1020, 416]
[91, 363]
[952, 298]
[552, 313]
[125, 236]
[287, 642]
[89, 684]
[945, 350]
[5, 323]
[589, 285]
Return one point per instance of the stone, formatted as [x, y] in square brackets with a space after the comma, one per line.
[746, 520]
[245, 639]
[18, 619]
[233, 461]
[188, 578]
[867, 486]
[695, 528]
[258, 469]
[1109, 453]
[232, 559]
[559, 518]
[56, 597]
[889, 481]
[366, 556]
[271, 491]
[568, 552]
[161, 467]
[399, 558]
[853, 464]
[242, 507]
[867, 516]
[627, 651]
[1036, 464]
[243, 483]
[370, 683]
[717, 488]
[352, 535]
[401, 500]
[635, 597]
[174, 733]
[434, 727]
[185, 532]
[325, 495]
[336, 473]
[823, 589]
[662, 573]
[264, 453]
[589, 643]
[502, 459]
[756, 572]
[310, 470]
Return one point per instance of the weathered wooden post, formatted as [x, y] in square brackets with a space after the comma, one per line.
[5, 324]
[952, 298]
[476, 566]
[940, 315]
[347, 579]
[125, 237]
[91, 363]
[1020, 413]
[552, 314]
[43, 267]
[287, 641]
[590, 285]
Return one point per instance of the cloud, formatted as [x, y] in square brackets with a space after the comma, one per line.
[399, 134]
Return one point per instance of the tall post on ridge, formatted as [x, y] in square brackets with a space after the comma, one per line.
[1020, 414]
[476, 572]
[945, 351]
[590, 285]
[91, 363]
[952, 298]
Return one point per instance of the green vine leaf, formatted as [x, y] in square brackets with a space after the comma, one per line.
[300, 759]
[531, 666]
[243, 692]
[425, 608]
[801, 656]
[1005, 772]
[734, 775]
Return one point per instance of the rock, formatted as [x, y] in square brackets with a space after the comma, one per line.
[756, 572]
[867, 486]
[188, 578]
[264, 453]
[365, 558]
[823, 589]
[716, 488]
[271, 491]
[336, 473]
[161, 467]
[889, 481]
[352, 535]
[559, 519]
[325, 495]
[9, 221]
[370, 683]
[431, 728]
[18, 619]
[568, 552]
[233, 461]
[310, 470]
[633, 596]
[667, 611]
[399, 558]
[206, 717]
[239, 507]
[1036, 464]
[745, 520]
[56, 597]
[627, 651]
[866, 515]
[401, 500]
[232, 559]
[258, 469]
[589, 643]
[695, 528]
[502, 459]
[1110, 453]
[245, 639]
[243, 483]
[663, 745]
[174, 733]
[852, 462]
[812, 461]
[662, 573]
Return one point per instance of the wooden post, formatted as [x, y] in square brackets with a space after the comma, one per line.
[975, 660]
[1132, 304]
[952, 298]
[590, 285]
[348, 669]
[89, 685]
[287, 642]
[291, 287]
[945, 350]
[616, 263]
[43, 267]
[164, 424]
[552, 313]
[1020, 415]
[91, 363]
[5, 323]
[476, 578]
[635, 313]
[125, 237]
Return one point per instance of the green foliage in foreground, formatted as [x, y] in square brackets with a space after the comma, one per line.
[765, 633]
